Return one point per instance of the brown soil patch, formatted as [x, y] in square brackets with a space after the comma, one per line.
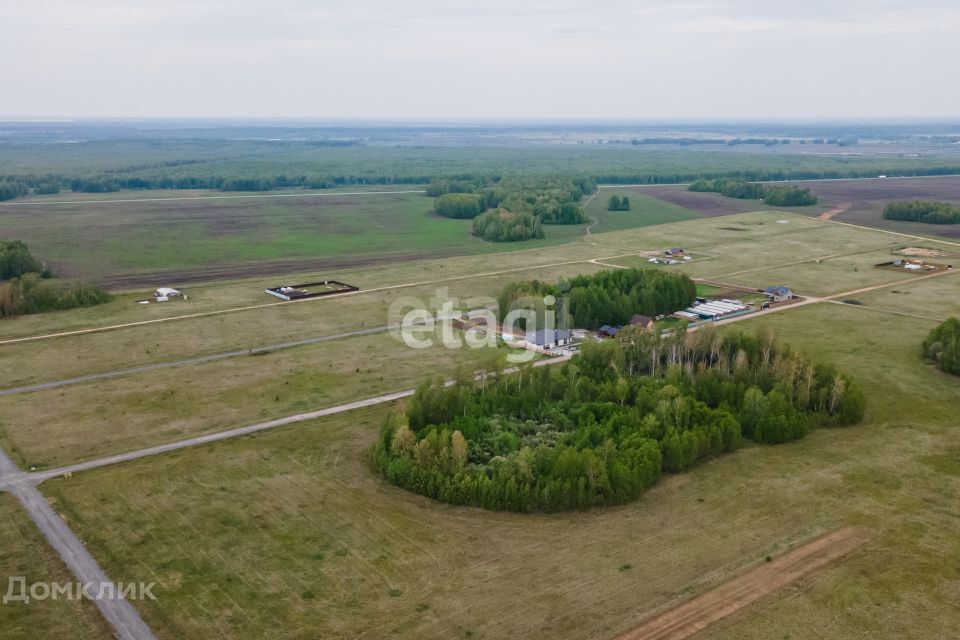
[837, 210]
[693, 615]
[707, 205]
[922, 252]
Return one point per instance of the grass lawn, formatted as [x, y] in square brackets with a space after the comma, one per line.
[290, 530]
[24, 552]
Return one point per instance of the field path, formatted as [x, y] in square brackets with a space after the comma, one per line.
[837, 210]
[693, 615]
[118, 612]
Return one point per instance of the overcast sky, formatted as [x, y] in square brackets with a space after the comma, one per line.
[492, 58]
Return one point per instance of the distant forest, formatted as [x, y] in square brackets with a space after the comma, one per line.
[102, 166]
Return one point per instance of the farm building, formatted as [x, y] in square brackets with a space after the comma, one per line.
[712, 310]
[644, 321]
[550, 338]
[608, 331]
[778, 293]
[675, 252]
[165, 293]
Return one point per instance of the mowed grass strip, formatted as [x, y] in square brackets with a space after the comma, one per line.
[24, 553]
[290, 530]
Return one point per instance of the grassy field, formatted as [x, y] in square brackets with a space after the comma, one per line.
[289, 533]
[644, 211]
[24, 553]
[59, 426]
[291, 530]
[148, 241]
[82, 354]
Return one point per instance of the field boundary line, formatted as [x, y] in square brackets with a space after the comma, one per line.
[695, 614]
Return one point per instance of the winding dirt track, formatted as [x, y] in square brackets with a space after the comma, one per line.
[693, 615]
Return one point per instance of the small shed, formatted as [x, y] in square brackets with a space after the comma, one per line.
[644, 321]
[165, 293]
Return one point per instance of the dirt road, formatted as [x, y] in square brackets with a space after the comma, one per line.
[119, 613]
[693, 615]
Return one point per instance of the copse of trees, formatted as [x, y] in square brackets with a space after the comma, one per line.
[500, 225]
[923, 211]
[29, 294]
[942, 346]
[520, 206]
[459, 205]
[616, 203]
[605, 297]
[602, 428]
[23, 291]
[16, 260]
[780, 196]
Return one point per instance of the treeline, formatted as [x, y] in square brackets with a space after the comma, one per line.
[616, 203]
[30, 294]
[15, 187]
[769, 175]
[923, 211]
[604, 298]
[23, 288]
[942, 346]
[599, 431]
[515, 207]
[777, 195]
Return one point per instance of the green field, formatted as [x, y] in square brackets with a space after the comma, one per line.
[289, 533]
[24, 553]
[184, 240]
[292, 530]
[644, 211]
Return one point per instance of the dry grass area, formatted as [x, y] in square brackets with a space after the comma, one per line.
[145, 344]
[24, 553]
[59, 426]
[289, 533]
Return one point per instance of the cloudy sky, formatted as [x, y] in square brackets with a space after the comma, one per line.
[495, 58]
